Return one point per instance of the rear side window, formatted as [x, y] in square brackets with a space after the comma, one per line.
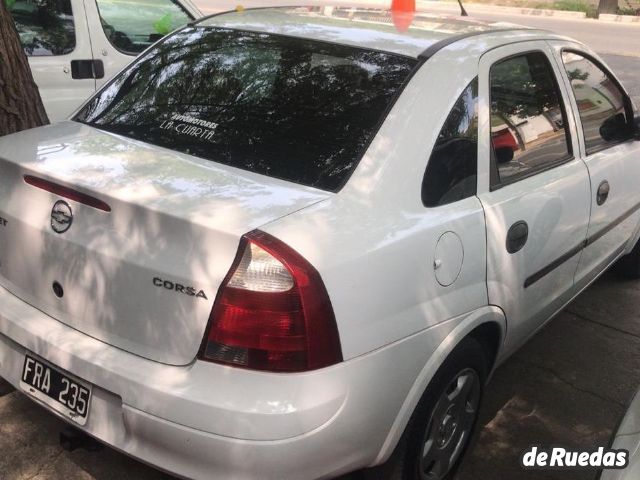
[291, 108]
[528, 125]
[45, 27]
[600, 101]
[132, 26]
[452, 170]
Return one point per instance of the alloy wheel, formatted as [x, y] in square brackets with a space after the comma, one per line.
[450, 425]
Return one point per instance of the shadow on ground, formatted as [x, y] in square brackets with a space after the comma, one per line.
[569, 386]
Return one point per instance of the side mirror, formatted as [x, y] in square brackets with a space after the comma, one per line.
[504, 155]
[614, 128]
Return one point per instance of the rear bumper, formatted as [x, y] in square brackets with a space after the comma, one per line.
[217, 422]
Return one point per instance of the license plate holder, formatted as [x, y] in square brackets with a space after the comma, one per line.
[61, 391]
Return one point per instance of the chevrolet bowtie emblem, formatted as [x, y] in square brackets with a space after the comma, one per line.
[61, 217]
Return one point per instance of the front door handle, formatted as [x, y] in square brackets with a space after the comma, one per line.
[603, 192]
[81, 69]
[517, 236]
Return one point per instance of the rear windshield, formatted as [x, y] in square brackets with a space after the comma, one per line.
[290, 108]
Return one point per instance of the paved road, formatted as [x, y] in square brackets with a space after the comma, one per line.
[604, 37]
[568, 386]
[619, 44]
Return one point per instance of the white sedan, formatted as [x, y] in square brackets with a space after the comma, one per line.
[289, 243]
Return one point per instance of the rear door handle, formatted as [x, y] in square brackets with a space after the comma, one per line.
[81, 69]
[603, 192]
[517, 236]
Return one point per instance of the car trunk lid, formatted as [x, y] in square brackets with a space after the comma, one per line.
[144, 275]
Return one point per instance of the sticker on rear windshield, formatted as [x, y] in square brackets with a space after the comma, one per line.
[190, 126]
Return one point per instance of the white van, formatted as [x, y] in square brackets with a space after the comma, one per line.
[75, 46]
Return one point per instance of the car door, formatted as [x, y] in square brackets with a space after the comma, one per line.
[55, 38]
[610, 151]
[533, 187]
[121, 29]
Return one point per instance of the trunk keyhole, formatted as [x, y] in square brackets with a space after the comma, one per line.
[57, 289]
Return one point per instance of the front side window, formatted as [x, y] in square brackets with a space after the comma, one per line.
[132, 26]
[452, 170]
[290, 108]
[600, 102]
[45, 27]
[528, 127]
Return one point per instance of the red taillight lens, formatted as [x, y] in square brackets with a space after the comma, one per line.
[272, 312]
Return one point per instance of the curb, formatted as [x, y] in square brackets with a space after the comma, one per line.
[451, 6]
[479, 7]
[536, 12]
[608, 17]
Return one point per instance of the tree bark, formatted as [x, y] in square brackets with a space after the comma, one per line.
[20, 103]
[607, 6]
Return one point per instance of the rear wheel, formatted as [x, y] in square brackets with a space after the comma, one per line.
[629, 265]
[450, 426]
[444, 422]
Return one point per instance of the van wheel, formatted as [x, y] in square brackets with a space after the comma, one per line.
[444, 423]
[629, 265]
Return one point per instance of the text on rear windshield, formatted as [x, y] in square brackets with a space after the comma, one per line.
[290, 108]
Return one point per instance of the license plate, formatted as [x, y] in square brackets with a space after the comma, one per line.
[65, 394]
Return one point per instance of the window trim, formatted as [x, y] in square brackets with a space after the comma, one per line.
[136, 54]
[75, 37]
[475, 79]
[495, 181]
[628, 105]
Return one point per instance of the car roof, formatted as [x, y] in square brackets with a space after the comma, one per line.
[409, 34]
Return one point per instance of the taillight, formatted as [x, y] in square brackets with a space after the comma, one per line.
[272, 312]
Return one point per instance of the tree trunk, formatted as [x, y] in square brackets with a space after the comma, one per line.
[20, 103]
[608, 6]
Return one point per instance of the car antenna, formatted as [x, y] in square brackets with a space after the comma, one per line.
[463, 12]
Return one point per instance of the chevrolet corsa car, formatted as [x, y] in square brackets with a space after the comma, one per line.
[291, 243]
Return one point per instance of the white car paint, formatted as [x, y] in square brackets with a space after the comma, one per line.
[555, 205]
[402, 292]
[61, 94]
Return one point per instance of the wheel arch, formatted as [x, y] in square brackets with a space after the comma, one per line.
[488, 326]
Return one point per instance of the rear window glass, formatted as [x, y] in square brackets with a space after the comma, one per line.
[291, 108]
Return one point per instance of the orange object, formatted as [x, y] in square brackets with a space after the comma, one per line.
[403, 5]
[403, 12]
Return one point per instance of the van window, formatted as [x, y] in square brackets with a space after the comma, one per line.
[45, 27]
[132, 26]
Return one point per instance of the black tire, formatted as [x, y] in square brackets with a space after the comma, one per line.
[629, 265]
[406, 462]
